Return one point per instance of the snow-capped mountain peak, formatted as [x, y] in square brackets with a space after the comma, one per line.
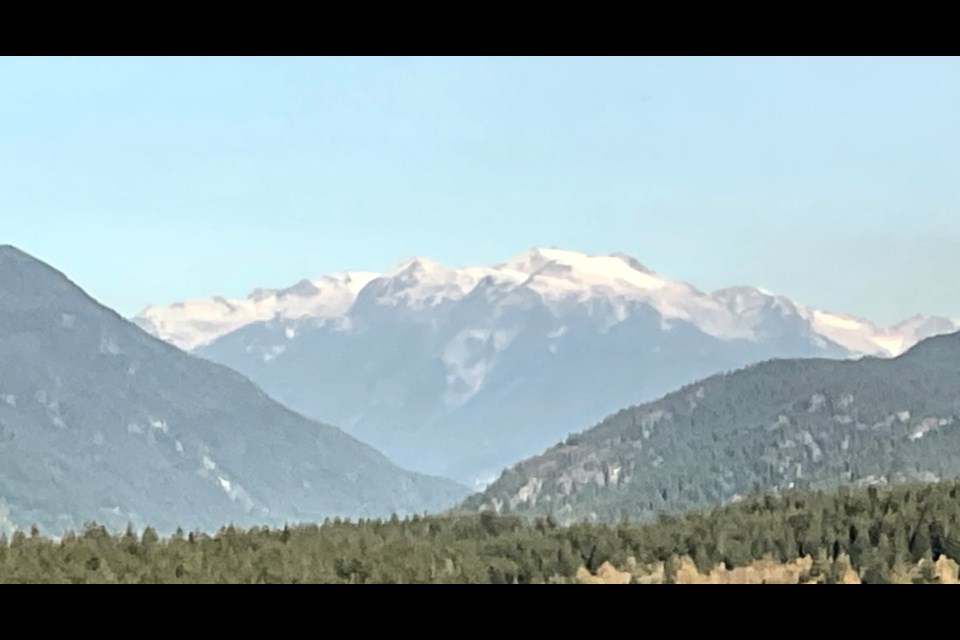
[459, 371]
[635, 264]
[193, 323]
[559, 275]
[418, 265]
[743, 300]
[555, 278]
[418, 283]
[526, 262]
[599, 270]
[606, 268]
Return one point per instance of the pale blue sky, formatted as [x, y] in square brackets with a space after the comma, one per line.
[834, 181]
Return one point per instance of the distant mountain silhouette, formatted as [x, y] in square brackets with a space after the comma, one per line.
[462, 372]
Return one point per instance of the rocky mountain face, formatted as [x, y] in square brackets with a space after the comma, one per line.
[462, 372]
[100, 421]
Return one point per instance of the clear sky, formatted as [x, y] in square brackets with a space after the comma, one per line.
[149, 180]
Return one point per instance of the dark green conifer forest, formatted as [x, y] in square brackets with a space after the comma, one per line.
[894, 534]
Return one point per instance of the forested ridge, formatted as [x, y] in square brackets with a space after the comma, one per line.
[774, 426]
[100, 421]
[907, 533]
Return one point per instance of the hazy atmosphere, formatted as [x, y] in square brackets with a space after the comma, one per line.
[832, 181]
[480, 320]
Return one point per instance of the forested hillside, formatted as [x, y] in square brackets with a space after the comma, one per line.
[773, 426]
[909, 533]
[100, 421]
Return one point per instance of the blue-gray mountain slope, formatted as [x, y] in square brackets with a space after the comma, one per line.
[101, 421]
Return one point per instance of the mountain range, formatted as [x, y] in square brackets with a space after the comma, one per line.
[100, 421]
[772, 426]
[461, 372]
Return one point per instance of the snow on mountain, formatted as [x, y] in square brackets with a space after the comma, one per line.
[102, 422]
[193, 323]
[558, 277]
[569, 269]
[420, 283]
[857, 335]
[461, 371]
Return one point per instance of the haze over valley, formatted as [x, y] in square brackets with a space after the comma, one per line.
[462, 372]
[510, 320]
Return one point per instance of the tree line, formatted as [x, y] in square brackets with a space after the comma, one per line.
[874, 531]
